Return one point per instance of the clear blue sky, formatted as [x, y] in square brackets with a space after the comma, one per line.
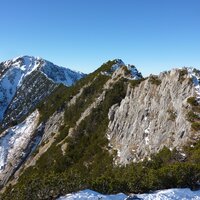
[154, 35]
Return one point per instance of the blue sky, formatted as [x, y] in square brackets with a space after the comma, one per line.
[154, 35]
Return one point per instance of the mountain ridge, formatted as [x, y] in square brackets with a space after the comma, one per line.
[88, 132]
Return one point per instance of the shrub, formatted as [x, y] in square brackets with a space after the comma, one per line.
[126, 70]
[192, 101]
[136, 83]
[154, 80]
[196, 126]
[182, 74]
[191, 116]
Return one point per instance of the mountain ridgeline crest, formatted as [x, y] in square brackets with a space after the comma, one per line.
[111, 131]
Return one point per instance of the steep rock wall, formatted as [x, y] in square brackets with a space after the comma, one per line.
[151, 116]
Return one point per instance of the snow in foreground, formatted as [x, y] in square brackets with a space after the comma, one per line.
[170, 194]
[89, 194]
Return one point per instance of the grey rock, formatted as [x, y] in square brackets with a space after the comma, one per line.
[150, 117]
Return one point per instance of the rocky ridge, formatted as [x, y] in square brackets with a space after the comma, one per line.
[153, 115]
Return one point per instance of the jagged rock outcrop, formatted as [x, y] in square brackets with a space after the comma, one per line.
[151, 116]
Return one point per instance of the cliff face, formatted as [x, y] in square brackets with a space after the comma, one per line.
[151, 116]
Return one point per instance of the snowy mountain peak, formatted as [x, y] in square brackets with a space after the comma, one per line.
[118, 63]
[23, 65]
[28, 64]
[134, 72]
[22, 61]
[13, 73]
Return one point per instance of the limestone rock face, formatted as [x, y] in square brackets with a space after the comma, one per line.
[52, 125]
[151, 116]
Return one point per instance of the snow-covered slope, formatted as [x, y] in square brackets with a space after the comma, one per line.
[60, 74]
[8, 86]
[13, 144]
[14, 72]
[135, 74]
[170, 194]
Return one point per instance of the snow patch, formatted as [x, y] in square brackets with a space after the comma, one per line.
[92, 195]
[105, 73]
[15, 139]
[118, 63]
[172, 194]
[8, 86]
[60, 74]
[196, 79]
[183, 154]
[169, 194]
[134, 72]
